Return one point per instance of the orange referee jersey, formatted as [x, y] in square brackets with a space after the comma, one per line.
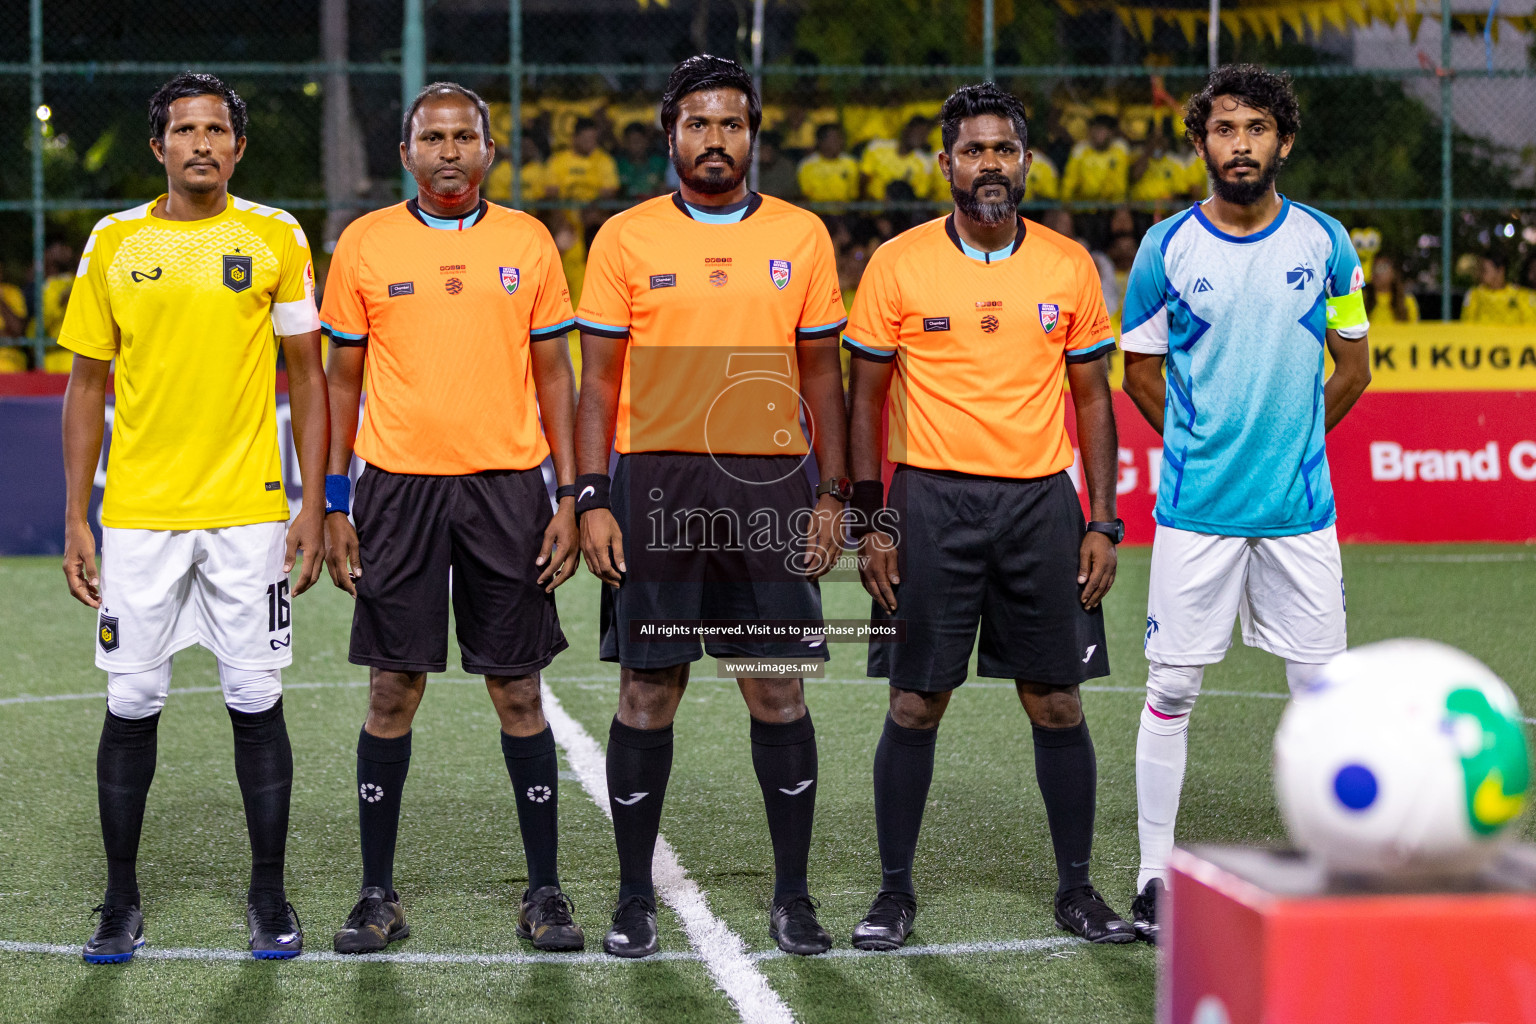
[448, 310]
[980, 342]
[712, 308]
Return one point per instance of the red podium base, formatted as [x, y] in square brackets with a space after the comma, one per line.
[1262, 937]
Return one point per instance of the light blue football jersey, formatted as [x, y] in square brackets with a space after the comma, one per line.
[1241, 321]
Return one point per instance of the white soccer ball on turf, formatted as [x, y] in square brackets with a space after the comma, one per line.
[1405, 758]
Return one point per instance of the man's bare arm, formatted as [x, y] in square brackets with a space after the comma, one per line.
[1100, 448]
[602, 373]
[85, 415]
[1145, 384]
[307, 404]
[1350, 377]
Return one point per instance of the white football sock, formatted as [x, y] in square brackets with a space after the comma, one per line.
[1162, 747]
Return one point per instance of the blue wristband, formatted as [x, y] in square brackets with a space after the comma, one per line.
[338, 493]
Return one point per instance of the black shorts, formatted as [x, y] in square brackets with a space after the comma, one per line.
[713, 538]
[998, 552]
[487, 529]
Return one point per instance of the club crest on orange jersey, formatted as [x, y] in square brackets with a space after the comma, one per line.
[778, 271]
[1049, 314]
[509, 279]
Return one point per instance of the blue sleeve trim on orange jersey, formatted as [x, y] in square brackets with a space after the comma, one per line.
[807, 333]
[859, 349]
[555, 331]
[601, 330]
[1088, 355]
[342, 338]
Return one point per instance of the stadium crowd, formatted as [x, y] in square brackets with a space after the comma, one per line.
[597, 155]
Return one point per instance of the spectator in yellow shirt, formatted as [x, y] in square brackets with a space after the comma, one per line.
[1099, 167]
[13, 324]
[904, 159]
[531, 176]
[1158, 175]
[1387, 295]
[584, 172]
[1042, 181]
[829, 175]
[1494, 300]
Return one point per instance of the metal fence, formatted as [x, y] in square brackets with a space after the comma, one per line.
[1427, 136]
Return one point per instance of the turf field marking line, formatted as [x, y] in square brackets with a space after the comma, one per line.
[722, 951]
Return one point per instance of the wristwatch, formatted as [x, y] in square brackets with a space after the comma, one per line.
[840, 487]
[1115, 530]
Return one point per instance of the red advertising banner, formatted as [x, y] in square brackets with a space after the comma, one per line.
[1407, 466]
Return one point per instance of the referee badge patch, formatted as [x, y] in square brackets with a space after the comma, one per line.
[237, 273]
[1049, 314]
[509, 279]
[778, 271]
[106, 633]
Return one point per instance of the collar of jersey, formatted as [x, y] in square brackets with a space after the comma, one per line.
[188, 225]
[447, 223]
[977, 254]
[1274, 225]
[731, 214]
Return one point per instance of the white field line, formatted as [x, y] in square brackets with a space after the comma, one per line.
[722, 951]
[150, 952]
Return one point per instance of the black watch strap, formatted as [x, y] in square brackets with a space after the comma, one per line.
[1114, 529]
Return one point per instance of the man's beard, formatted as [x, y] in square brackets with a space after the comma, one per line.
[1246, 192]
[709, 184]
[989, 213]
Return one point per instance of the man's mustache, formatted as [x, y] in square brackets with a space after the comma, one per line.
[982, 181]
[715, 154]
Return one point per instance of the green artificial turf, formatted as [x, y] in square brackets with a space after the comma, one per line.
[984, 869]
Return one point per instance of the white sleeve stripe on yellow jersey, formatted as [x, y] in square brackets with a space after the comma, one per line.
[296, 317]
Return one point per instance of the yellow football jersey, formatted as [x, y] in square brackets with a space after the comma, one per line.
[1166, 177]
[1094, 174]
[1043, 181]
[883, 163]
[829, 181]
[1510, 305]
[498, 183]
[188, 310]
[582, 178]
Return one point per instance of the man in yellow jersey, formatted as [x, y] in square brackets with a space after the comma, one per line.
[1099, 168]
[459, 310]
[829, 175]
[968, 327]
[1494, 300]
[904, 159]
[709, 325]
[185, 294]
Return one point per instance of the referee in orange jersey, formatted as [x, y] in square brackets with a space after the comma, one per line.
[968, 324]
[709, 323]
[460, 310]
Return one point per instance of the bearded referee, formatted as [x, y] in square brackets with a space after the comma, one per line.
[709, 322]
[185, 293]
[968, 324]
[460, 311]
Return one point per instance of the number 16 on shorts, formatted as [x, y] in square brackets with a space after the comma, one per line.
[279, 613]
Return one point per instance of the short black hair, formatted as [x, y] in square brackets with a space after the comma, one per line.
[1498, 258]
[704, 72]
[194, 83]
[435, 90]
[823, 130]
[583, 124]
[976, 100]
[1109, 121]
[636, 126]
[1255, 87]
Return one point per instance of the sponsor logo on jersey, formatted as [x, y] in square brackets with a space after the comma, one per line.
[237, 273]
[402, 288]
[718, 278]
[716, 259]
[1299, 276]
[452, 268]
[1202, 285]
[935, 323]
[453, 285]
[140, 275]
[1356, 279]
[663, 280]
[106, 632]
[274, 485]
[989, 323]
[990, 304]
[778, 272]
[509, 279]
[1050, 313]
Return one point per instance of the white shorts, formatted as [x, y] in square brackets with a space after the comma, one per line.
[165, 590]
[1288, 592]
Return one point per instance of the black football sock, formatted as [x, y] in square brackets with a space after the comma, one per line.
[264, 768]
[903, 773]
[535, 776]
[125, 766]
[381, 768]
[1067, 773]
[784, 757]
[639, 764]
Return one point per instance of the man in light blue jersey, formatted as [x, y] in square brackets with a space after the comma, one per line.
[1238, 297]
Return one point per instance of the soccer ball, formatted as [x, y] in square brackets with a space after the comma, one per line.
[1404, 759]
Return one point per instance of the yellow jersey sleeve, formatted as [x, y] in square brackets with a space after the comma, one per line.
[89, 328]
[293, 302]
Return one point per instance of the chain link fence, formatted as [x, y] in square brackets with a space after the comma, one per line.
[1423, 141]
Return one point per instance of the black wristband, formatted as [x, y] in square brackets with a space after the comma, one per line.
[591, 492]
[867, 501]
[566, 491]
